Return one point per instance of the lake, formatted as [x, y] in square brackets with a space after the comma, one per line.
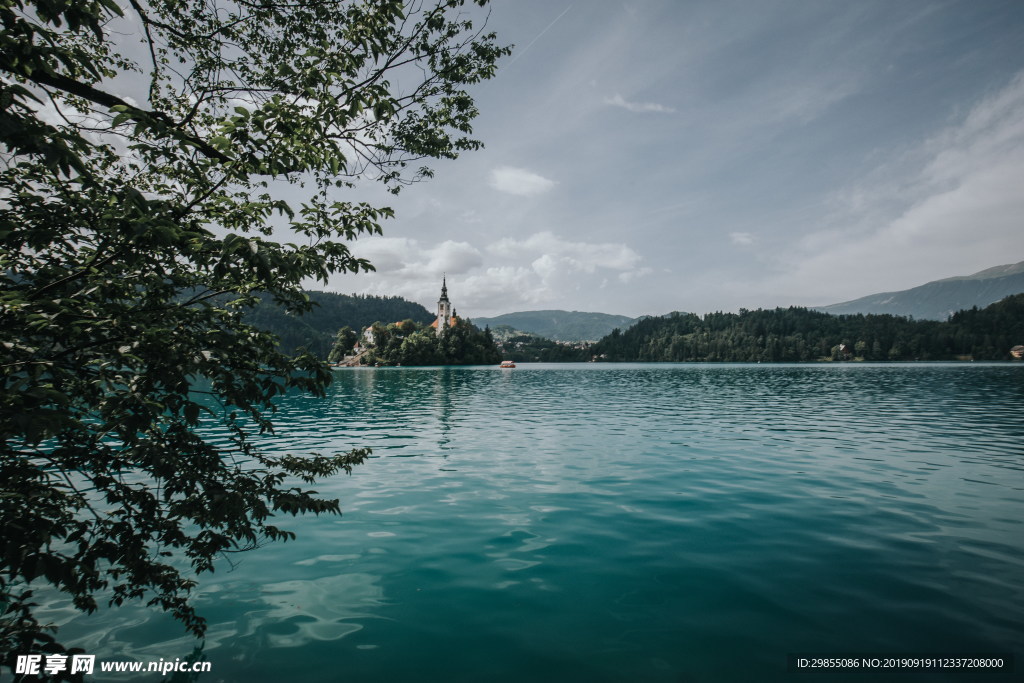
[607, 522]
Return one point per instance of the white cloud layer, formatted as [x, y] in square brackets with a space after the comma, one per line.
[961, 211]
[568, 255]
[519, 181]
[407, 259]
[508, 273]
[694, 141]
[638, 107]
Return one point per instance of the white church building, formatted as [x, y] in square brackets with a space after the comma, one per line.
[446, 316]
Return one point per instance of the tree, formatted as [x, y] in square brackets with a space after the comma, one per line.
[407, 343]
[344, 342]
[419, 349]
[138, 200]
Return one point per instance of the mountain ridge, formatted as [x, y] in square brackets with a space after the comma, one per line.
[560, 325]
[315, 330]
[988, 273]
[939, 299]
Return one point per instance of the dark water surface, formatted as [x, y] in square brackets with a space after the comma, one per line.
[628, 523]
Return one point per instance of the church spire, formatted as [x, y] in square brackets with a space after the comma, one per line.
[444, 308]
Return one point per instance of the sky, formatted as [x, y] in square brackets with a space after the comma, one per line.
[650, 156]
[658, 155]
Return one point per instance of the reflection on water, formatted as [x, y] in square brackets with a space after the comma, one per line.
[610, 522]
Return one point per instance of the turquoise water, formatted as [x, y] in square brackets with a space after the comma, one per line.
[628, 523]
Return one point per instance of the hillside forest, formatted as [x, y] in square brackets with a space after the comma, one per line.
[772, 335]
[316, 330]
[798, 334]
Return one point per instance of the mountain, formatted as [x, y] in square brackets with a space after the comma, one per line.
[503, 333]
[316, 329]
[939, 299]
[560, 325]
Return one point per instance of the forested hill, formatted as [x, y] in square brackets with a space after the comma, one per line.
[560, 325]
[938, 300]
[316, 329]
[798, 334]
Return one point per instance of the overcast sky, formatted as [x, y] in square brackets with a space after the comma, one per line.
[658, 155]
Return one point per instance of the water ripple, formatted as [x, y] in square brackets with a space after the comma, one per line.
[616, 522]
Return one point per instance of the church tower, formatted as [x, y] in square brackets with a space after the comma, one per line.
[444, 308]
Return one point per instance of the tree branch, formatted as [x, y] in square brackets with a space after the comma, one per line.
[73, 87]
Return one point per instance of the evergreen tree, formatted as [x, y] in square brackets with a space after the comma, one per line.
[798, 335]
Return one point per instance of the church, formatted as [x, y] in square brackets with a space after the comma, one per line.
[446, 316]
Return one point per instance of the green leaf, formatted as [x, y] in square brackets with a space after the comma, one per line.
[131, 261]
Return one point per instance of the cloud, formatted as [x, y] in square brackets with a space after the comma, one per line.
[628, 277]
[519, 181]
[408, 259]
[387, 254]
[572, 256]
[951, 207]
[741, 239]
[509, 274]
[507, 287]
[638, 107]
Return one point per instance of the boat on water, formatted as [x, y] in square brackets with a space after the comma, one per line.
[507, 364]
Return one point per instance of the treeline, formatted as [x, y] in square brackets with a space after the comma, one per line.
[528, 348]
[798, 334]
[409, 343]
[316, 329]
[779, 335]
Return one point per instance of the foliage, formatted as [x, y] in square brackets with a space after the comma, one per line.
[407, 344]
[344, 342]
[137, 229]
[797, 334]
[531, 348]
[315, 330]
